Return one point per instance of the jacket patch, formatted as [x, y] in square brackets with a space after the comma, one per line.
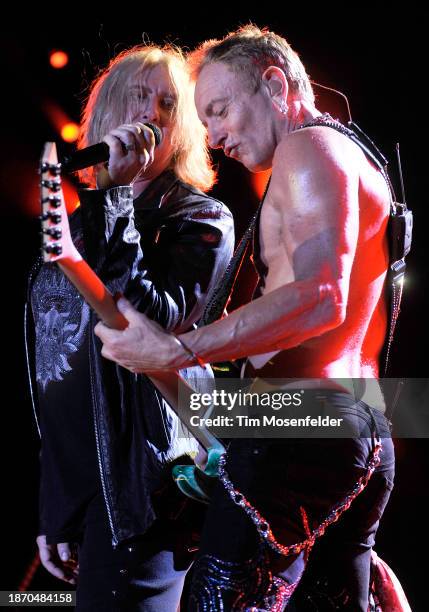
[61, 318]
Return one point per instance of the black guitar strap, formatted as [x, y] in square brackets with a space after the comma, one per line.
[221, 295]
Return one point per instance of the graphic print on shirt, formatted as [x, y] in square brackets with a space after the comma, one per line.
[61, 318]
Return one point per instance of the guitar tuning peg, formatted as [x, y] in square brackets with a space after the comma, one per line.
[55, 249]
[54, 217]
[52, 185]
[54, 232]
[54, 169]
[54, 201]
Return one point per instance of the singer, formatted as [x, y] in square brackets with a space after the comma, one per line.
[109, 520]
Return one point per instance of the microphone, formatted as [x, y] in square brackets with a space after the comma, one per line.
[97, 154]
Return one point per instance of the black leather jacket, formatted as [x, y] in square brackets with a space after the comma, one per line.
[166, 258]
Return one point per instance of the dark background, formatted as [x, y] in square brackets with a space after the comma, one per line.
[374, 57]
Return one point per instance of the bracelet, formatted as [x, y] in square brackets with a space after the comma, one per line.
[195, 358]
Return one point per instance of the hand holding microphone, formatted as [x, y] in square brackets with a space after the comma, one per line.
[129, 150]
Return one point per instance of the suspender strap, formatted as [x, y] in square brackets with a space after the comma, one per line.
[400, 235]
[221, 295]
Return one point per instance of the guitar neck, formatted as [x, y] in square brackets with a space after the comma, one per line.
[178, 393]
[93, 291]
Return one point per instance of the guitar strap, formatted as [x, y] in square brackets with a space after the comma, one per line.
[222, 293]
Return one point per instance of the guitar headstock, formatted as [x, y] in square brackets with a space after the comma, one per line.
[57, 243]
[56, 240]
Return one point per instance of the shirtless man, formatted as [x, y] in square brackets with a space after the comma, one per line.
[319, 313]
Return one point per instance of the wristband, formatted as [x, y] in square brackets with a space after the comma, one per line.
[195, 358]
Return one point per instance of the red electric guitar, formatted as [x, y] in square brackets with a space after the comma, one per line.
[57, 246]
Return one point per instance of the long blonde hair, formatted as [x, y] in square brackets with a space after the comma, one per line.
[107, 106]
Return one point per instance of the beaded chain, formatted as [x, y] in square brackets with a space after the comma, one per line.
[262, 525]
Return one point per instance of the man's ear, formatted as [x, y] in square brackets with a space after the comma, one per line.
[275, 81]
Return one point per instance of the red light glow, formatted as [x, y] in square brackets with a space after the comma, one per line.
[259, 182]
[58, 59]
[70, 132]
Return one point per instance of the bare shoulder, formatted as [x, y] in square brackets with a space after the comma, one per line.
[314, 169]
[317, 148]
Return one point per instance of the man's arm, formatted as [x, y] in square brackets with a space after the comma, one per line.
[315, 186]
[316, 192]
[170, 277]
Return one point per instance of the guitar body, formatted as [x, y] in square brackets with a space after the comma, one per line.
[198, 483]
[57, 246]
